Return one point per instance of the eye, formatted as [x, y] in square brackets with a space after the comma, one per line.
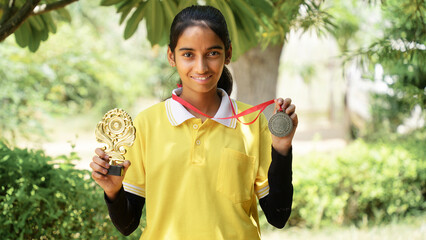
[187, 54]
[213, 53]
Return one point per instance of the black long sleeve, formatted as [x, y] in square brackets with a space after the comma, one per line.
[125, 211]
[277, 204]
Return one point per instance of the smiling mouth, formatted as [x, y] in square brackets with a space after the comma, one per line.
[204, 78]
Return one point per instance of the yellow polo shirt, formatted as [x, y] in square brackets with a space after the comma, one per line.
[199, 180]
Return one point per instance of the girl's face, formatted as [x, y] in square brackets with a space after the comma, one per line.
[199, 57]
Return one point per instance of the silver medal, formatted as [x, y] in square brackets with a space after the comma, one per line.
[280, 124]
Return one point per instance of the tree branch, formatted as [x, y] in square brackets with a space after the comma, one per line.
[40, 9]
[30, 8]
[7, 11]
[14, 22]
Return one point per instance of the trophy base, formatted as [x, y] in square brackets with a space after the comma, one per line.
[116, 170]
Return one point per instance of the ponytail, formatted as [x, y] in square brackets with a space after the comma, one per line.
[225, 81]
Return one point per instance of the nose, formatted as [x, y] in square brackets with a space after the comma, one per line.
[201, 65]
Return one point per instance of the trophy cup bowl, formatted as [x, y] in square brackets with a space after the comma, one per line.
[115, 131]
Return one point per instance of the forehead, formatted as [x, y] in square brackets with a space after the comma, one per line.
[198, 37]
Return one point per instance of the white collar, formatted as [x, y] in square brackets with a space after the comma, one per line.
[178, 114]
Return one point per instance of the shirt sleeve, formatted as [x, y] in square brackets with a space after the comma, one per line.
[134, 180]
[261, 185]
[125, 211]
[277, 204]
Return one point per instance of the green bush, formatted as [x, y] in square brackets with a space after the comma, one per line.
[367, 182]
[43, 200]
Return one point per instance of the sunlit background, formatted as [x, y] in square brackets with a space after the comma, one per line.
[359, 168]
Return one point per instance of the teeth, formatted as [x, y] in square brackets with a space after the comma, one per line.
[200, 78]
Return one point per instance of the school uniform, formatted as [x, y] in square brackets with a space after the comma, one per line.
[200, 180]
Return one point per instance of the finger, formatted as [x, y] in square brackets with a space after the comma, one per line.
[291, 109]
[126, 165]
[101, 153]
[286, 104]
[97, 176]
[295, 119]
[101, 162]
[97, 168]
[278, 104]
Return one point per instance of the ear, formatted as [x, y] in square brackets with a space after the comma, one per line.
[228, 55]
[171, 57]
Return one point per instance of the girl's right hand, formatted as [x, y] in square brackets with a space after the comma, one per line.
[110, 183]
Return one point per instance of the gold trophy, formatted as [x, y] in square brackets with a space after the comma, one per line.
[116, 131]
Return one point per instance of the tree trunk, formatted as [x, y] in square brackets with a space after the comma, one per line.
[256, 75]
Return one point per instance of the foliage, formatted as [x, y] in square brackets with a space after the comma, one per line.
[348, 16]
[243, 18]
[71, 74]
[291, 15]
[37, 26]
[249, 21]
[401, 53]
[41, 199]
[365, 183]
[373, 182]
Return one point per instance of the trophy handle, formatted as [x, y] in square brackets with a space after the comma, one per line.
[116, 169]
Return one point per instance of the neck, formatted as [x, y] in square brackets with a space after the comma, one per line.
[208, 102]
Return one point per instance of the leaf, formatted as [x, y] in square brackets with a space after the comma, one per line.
[35, 40]
[36, 22]
[64, 13]
[133, 22]
[262, 6]
[125, 8]
[109, 2]
[247, 10]
[186, 3]
[48, 20]
[154, 21]
[5, 158]
[230, 21]
[249, 28]
[23, 34]
[19, 37]
[44, 35]
[170, 10]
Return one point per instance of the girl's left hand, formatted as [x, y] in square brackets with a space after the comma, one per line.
[283, 144]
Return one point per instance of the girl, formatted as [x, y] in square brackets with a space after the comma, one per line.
[199, 177]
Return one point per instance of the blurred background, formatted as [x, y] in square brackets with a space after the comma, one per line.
[355, 70]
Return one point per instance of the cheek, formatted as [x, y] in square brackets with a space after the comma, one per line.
[217, 64]
[183, 66]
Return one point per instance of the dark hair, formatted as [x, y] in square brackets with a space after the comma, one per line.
[202, 16]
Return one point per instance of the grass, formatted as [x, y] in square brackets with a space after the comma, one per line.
[411, 228]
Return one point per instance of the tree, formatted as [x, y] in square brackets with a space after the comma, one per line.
[257, 70]
[400, 53]
[259, 24]
[31, 20]
[258, 30]
[69, 75]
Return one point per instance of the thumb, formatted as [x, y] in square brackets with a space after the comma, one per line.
[126, 164]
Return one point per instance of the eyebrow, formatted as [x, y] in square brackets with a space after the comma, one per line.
[210, 48]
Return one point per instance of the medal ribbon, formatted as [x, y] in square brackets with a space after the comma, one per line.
[259, 108]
